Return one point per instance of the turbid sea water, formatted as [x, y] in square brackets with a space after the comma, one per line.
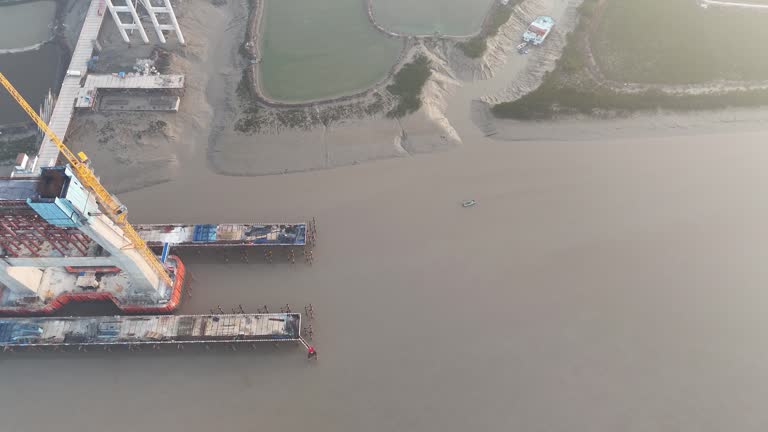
[25, 24]
[321, 48]
[448, 17]
[32, 72]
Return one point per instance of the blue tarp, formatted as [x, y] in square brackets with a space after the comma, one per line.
[164, 255]
[204, 233]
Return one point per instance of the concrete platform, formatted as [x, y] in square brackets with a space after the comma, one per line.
[138, 103]
[88, 94]
[70, 86]
[143, 330]
[213, 235]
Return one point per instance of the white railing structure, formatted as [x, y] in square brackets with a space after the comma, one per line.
[129, 11]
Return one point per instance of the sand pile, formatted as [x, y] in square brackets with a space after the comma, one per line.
[501, 73]
[436, 90]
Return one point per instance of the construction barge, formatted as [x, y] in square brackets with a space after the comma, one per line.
[56, 248]
[134, 331]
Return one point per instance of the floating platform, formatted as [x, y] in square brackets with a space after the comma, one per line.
[146, 330]
[62, 288]
[224, 235]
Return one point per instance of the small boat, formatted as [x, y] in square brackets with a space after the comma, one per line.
[468, 203]
[523, 48]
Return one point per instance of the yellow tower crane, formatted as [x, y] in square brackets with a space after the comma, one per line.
[109, 204]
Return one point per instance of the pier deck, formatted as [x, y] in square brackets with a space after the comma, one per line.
[213, 235]
[158, 329]
[93, 83]
[70, 86]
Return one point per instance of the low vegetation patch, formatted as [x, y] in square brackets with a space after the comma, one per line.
[475, 47]
[255, 118]
[407, 86]
[248, 120]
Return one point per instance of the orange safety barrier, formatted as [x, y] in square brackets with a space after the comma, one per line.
[85, 297]
[103, 269]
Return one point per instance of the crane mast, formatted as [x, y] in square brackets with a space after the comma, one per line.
[109, 205]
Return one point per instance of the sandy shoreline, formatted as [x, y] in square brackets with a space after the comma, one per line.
[454, 113]
[639, 125]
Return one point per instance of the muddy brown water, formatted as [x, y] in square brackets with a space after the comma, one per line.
[35, 71]
[25, 24]
[602, 286]
[32, 73]
[598, 285]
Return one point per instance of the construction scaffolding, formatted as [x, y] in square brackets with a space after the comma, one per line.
[28, 235]
[129, 11]
[24, 233]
